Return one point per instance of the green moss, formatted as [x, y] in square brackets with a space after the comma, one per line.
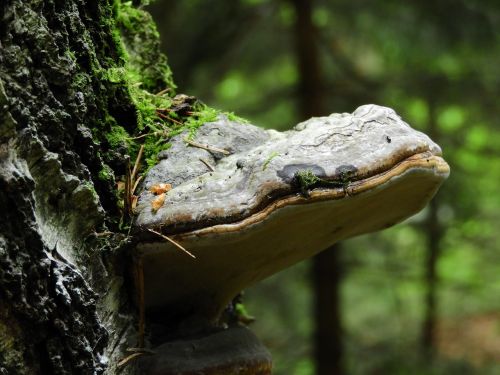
[306, 180]
[151, 129]
[152, 149]
[118, 136]
[242, 314]
[80, 80]
[231, 116]
[268, 160]
[203, 115]
[115, 75]
[241, 309]
[145, 71]
[141, 42]
[106, 173]
[11, 350]
[86, 189]
[346, 175]
[147, 105]
[70, 55]
[140, 71]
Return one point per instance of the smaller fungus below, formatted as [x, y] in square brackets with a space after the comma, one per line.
[330, 178]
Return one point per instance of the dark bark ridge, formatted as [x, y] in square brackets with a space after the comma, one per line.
[57, 181]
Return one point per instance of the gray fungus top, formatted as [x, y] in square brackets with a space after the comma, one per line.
[264, 165]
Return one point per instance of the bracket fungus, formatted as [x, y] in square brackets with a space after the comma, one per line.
[274, 199]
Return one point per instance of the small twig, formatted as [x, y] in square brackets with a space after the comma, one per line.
[172, 242]
[102, 234]
[127, 203]
[140, 350]
[163, 91]
[140, 136]
[128, 358]
[136, 165]
[207, 164]
[208, 148]
[157, 133]
[136, 183]
[168, 118]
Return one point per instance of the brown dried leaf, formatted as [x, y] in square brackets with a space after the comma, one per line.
[134, 202]
[158, 202]
[160, 188]
[120, 185]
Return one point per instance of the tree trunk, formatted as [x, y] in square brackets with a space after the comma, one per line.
[433, 234]
[433, 238]
[326, 272]
[306, 50]
[327, 278]
[63, 239]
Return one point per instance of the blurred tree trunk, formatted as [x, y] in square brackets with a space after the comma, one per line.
[433, 234]
[309, 87]
[327, 279]
[326, 268]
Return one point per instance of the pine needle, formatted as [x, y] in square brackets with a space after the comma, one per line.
[128, 358]
[172, 242]
[208, 148]
[207, 165]
[136, 164]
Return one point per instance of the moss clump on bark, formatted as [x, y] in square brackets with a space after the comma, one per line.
[141, 48]
[147, 78]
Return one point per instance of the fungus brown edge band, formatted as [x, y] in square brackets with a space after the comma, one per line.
[423, 161]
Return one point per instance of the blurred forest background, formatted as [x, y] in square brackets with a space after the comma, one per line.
[424, 296]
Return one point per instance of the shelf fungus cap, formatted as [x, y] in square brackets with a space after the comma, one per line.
[273, 199]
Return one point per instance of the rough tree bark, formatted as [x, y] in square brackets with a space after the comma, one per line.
[63, 242]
